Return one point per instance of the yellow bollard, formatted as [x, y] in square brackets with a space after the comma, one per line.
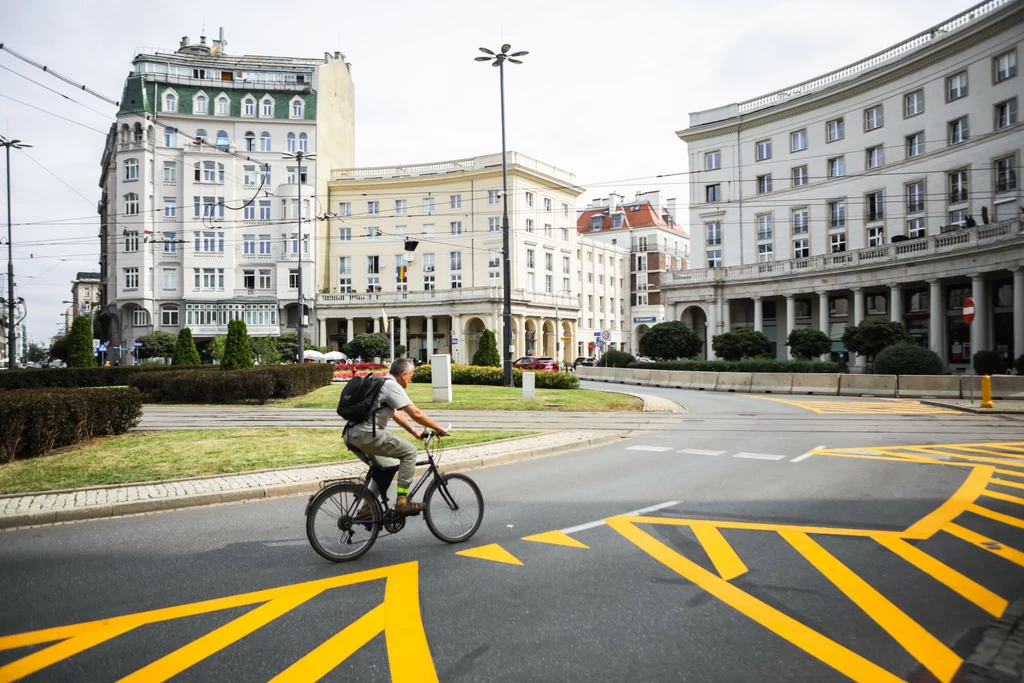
[986, 392]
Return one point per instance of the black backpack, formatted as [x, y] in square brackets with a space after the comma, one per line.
[358, 402]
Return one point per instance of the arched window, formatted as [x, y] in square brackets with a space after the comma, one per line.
[291, 142]
[248, 107]
[303, 142]
[250, 141]
[169, 316]
[170, 101]
[137, 133]
[170, 137]
[222, 138]
[200, 104]
[126, 134]
[268, 107]
[200, 137]
[131, 204]
[264, 141]
[131, 169]
[297, 108]
[223, 106]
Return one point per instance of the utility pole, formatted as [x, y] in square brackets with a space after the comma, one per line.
[300, 244]
[12, 344]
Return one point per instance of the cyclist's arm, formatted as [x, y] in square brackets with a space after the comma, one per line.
[420, 417]
[404, 423]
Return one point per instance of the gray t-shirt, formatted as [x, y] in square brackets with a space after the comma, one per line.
[392, 397]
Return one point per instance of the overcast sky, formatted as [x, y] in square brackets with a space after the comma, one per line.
[601, 93]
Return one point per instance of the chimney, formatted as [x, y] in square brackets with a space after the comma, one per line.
[184, 41]
[671, 205]
[202, 41]
[219, 43]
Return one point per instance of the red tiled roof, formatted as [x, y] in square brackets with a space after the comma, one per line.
[643, 216]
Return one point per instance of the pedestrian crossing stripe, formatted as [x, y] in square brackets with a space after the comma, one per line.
[878, 406]
[397, 617]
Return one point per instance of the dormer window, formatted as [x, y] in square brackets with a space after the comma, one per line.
[200, 105]
[223, 106]
[297, 108]
[617, 220]
[248, 107]
[596, 222]
[267, 107]
[170, 100]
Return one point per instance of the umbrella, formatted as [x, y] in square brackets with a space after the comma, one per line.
[313, 355]
[335, 355]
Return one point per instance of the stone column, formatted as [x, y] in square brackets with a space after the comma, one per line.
[349, 329]
[726, 316]
[979, 328]
[403, 333]
[790, 326]
[1018, 313]
[858, 318]
[456, 333]
[895, 303]
[758, 314]
[823, 317]
[712, 327]
[321, 331]
[519, 324]
[936, 320]
[376, 325]
[429, 341]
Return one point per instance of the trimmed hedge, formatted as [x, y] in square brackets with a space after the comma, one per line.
[232, 386]
[80, 377]
[494, 377]
[988, 363]
[615, 359]
[769, 365]
[36, 421]
[907, 359]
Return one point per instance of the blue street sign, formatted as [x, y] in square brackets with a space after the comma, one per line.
[103, 347]
[645, 319]
[454, 340]
[136, 343]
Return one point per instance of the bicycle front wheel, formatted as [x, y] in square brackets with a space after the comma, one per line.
[334, 527]
[453, 507]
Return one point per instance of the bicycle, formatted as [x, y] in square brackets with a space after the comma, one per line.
[340, 530]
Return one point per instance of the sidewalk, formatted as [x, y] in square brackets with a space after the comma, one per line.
[49, 507]
[1001, 407]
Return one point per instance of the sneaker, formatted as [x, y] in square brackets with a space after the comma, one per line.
[406, 508]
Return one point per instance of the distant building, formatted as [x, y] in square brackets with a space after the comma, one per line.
[85, 298]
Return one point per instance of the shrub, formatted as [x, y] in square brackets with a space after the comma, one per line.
[79, 377]
[907, 359]
[671, 340]
[185, 352]
[806, 342]
[741, 344]
[487, 353]
[770, 365]
[1019, 365]
[288, 346]
[871, 336]
[399, 351]
[232, 386]
[39, 420]
[989, 363]
[157, 345]
[616, 359]
[265, 350]
[488, 376]
[369, 346]
[237, 347]
[80, 344]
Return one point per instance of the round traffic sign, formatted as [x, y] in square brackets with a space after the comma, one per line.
[606, 335]
[969, 310]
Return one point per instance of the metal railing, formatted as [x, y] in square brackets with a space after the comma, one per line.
[391, 171]
[445, 295]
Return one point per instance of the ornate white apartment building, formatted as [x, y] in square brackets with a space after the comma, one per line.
[199, 210]
[444, 291]
[889, 188]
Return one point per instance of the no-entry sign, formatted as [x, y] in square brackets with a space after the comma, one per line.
[969, 310]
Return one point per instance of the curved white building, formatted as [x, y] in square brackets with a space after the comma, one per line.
[888, 188]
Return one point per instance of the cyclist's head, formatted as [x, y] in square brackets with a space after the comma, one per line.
[402, 369]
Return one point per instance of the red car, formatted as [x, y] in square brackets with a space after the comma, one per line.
[535, 363]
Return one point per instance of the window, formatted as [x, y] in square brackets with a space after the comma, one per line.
[455, 260]
[529, 225]
[170, 243]
[876, 206]
[493, 258]
[373, 265]
[170, 278]
[250, 141]
[958, 217]
[139, 317]
[565, 264]
[765, 253]
[712, 193]
[617, 219]
[248, 107]
[265, 175]
[200, 137]
[131, 169]
[223, 106]
[264, 209]
[764, 184]
[1005, 66]
[1006, 174]
[565, 235]
[800, 221]
[915, 228]
[956, 86]
[293, 279]
[493, 278]
[248, 244]
[714, 258]
[170, 137]
[764, 227]
[170, 101]
[547, 204]
[249, 175]
[913, 103]
[801, 248]
[199, 104]
[131, 278]
[456, 281]
[530, 258]
[455, 201]
[800, 176]
[401, 232]
[876, 156]
[169, 316]
[835, 130]
[372, 208]
[290, 142]
[264, 281]
[712, 160]
[764, 150]
[915, 145]
[170, 207]
[493, 196]
[268, 107]
[958, 186]
[427, 230]
[798, 141]
[428, 204]
[549, 261]
[373, 233]
[837, 242]
[1006, 113]
[297, 108]
[249, 212]
[401, 206]
[493, 224]
[565, 210]
[303, 142]
[265, 142]
[876, 236]
[549, 231]
[873, 117]
[529, 199]
[837, 214]
[131, 241]
[958, 131]
[344, 209]
[915, 197]
[837, 167]
[549, 284]
[131, 204]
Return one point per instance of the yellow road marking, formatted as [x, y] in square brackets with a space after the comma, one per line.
[72, 646]
[1011, 473]
[881, 406]
[1007, 482]
[997, 516]
[1003, 496]
[985, 543]
[968, 588]
[927, 526]
[972, 458]
[492, 552]
[726, 561]
[921, 644]
[817, 645]
[984, 451]
[556, 538]
[334, 650]
[757, 526]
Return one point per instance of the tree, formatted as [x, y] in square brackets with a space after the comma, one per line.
[740, 344]
[487, 353]
[988, 363]
[806, 342]
[80, 344]
[399, 351]
[288, 346]
[871, 336]
[35, 353]
[185, 352]
[368, 346]
[237, 347]
[157, 345]
[669, 341]
[59, 348]
[265, 351]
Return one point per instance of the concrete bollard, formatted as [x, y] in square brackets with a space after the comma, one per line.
[529, 384]
[441, 377]
[986, 392]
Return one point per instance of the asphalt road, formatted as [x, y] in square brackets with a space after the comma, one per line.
[759, 563]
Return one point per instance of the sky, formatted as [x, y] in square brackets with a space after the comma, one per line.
[601, 94]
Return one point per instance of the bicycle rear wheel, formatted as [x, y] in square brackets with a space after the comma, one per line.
[331, 524]
[453, 507]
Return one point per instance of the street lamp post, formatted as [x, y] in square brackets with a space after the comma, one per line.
[11, 337]
[498, 60]
[299, 328]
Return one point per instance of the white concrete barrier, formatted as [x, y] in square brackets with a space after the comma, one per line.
[1003, 386]
[772, 382]
[869, 385]
[707, 381]
[624, 375]
[584, 372]
[641, 377]
[734, 381]
[819, 383]
[661, 378]
[680, 379]
[928, 386]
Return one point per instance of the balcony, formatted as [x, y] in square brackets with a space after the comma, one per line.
[907, 252]
[256, 293]
[437, 296]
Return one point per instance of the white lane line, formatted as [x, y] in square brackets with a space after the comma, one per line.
[801, 458]
[759, 456]
[655, 449]
[600, 522]
[700, 451]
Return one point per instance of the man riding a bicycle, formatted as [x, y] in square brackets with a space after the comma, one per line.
[372, 441]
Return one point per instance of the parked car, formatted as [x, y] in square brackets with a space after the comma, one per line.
[536, 363]
[584, 361]
[643, 359]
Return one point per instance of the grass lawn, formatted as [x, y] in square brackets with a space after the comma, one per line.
[470, 397]
[149, 456]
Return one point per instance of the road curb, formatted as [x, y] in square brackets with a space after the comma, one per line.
[970, 409]
[31, 519]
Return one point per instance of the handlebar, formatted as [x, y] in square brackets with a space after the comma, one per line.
[428, 435]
